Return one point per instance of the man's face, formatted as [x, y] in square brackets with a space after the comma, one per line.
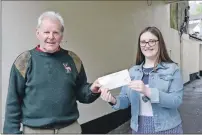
[49, 35]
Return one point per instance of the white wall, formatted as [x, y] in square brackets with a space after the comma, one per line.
[103, 33]
[191, 55]
[200, 59]
[0, 65]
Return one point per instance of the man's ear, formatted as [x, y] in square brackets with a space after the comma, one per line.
[37, 33]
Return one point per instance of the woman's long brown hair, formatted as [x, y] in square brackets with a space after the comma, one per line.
[162, 52]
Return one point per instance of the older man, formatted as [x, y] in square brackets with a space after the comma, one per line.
[45, 83]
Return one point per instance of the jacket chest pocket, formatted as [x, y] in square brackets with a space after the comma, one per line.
[163, 82]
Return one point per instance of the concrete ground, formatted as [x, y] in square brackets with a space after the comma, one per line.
[191, 110]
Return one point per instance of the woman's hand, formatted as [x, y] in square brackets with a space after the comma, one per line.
[106, 96]
[139, 86]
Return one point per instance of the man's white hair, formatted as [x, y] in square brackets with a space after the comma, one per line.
[53, 15]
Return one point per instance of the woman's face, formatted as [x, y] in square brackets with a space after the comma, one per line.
[149, 45]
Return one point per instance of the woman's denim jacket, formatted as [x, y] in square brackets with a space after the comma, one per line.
[166, 86]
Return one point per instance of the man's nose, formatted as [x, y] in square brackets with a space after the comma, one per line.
[51, 36]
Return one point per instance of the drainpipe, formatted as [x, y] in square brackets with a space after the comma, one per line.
[181, 51]
[182, 29]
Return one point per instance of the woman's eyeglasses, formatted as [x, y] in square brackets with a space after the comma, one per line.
[150, 43]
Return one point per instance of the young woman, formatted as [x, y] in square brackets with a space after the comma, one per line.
[156, 89]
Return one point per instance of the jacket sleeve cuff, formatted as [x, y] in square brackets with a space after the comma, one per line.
[154, 98]
[117, 105]
[94, 94]
[90, 91]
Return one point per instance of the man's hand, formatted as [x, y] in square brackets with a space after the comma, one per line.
[95, 87]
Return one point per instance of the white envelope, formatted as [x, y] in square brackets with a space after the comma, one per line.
[115, 80]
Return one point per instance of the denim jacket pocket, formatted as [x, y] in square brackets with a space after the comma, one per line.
[166, 77]
[164, 81]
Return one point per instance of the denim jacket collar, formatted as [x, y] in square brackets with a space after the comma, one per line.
[161, 65]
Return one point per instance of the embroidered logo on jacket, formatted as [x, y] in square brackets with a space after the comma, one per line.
[67, 68]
